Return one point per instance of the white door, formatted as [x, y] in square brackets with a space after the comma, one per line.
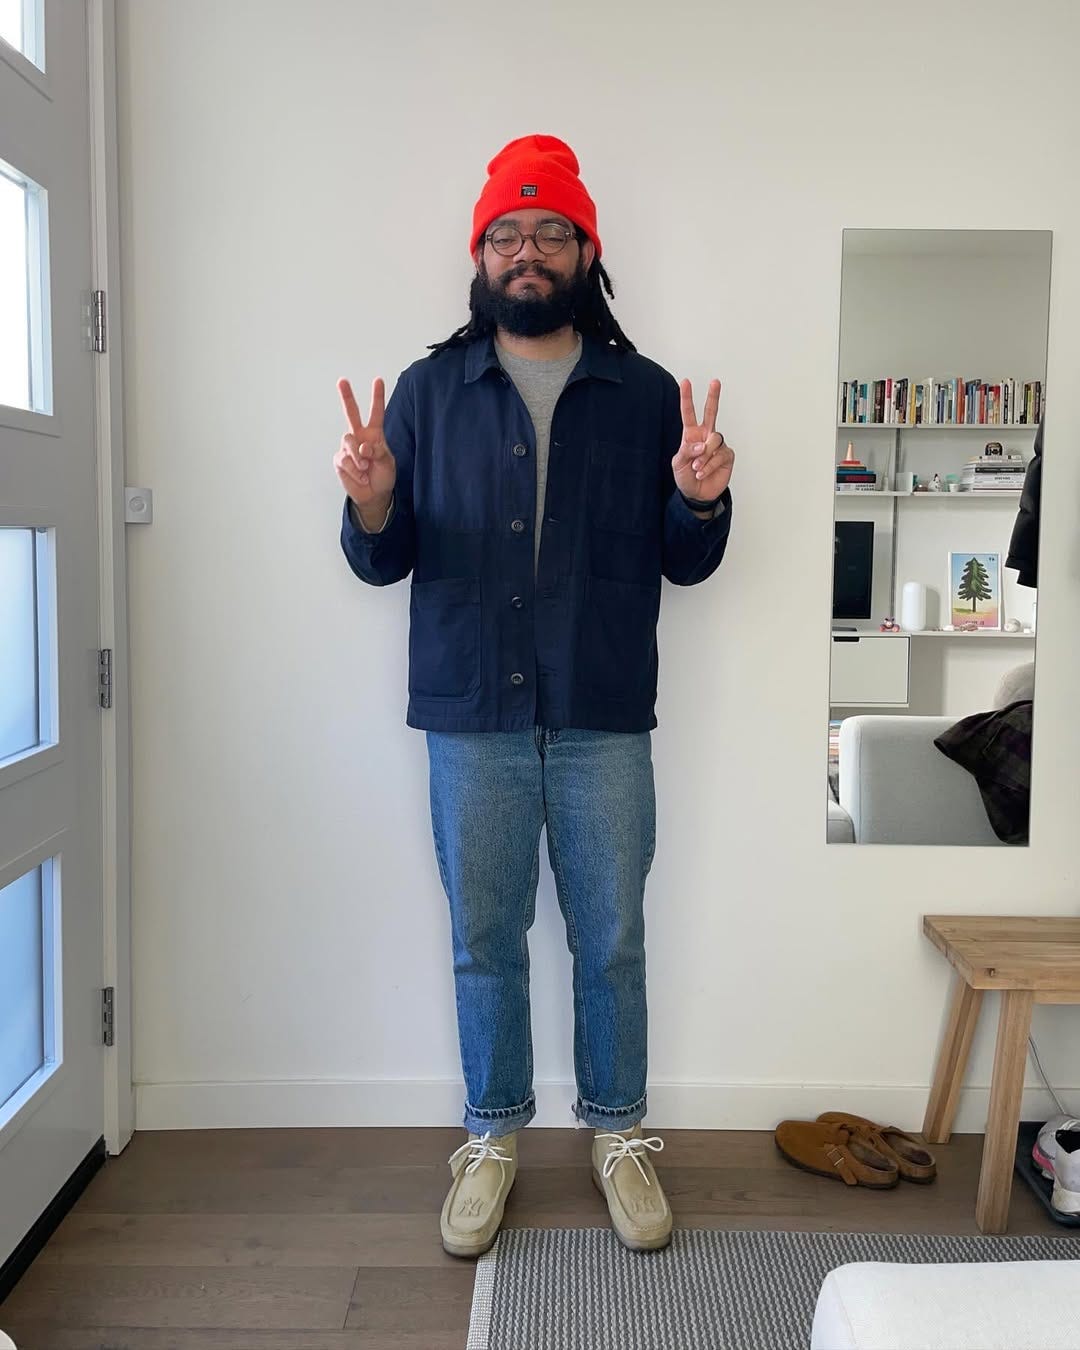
[51, 941]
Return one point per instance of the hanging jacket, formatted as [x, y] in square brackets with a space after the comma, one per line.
[1023, 553]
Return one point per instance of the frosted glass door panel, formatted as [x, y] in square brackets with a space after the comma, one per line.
[22, 983]
[20, 709]
[25, 348]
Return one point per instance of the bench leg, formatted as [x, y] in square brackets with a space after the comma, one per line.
[1006, 1091]
[952, 1062]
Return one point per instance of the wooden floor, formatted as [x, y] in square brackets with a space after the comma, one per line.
[329, 1239]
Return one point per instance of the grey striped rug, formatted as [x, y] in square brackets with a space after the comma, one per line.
[580, 1289]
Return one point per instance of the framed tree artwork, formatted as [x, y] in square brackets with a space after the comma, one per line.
[975, 590]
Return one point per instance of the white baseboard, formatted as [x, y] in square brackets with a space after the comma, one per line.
[673, 1106]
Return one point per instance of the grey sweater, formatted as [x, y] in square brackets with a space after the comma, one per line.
[539, 383]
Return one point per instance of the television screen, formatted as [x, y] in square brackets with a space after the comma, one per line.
[853, 569]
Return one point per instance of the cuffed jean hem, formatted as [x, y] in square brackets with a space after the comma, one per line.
[619, 1118]
[502, 1120]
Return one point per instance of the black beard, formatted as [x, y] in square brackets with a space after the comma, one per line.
[530, 315]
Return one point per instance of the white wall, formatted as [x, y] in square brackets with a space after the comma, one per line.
[946, 313]
[291, 942]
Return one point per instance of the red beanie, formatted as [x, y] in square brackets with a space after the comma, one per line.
[535, 171]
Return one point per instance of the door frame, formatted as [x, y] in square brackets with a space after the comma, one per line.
[119, 1123]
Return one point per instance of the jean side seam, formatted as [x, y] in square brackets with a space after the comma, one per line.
[560, 882]
[523, 948]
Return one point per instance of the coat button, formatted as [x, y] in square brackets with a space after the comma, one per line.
[517, 526]
[517, 602]
[517, 678]
[520, 450]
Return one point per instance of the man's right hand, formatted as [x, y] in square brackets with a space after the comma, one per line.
[365, 467]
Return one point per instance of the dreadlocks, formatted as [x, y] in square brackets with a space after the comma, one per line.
[592, 317]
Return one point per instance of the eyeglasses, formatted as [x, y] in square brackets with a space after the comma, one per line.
[551, 237]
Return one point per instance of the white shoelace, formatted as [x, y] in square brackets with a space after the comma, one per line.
[629, 1148]
[478, 1150]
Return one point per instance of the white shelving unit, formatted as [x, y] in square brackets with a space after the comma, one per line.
[897, 431]
[954, 497]
[988, 635]
[873, 674]
[986, 427]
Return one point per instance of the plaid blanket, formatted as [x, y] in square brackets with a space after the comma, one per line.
[995, 747]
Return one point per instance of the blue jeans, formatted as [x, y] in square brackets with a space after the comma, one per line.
[491, 793]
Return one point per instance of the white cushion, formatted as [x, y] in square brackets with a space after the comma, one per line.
[840, 828]
[993, 1305]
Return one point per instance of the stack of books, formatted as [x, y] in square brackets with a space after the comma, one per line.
[899, 401]
[993, 473]
[852, 475]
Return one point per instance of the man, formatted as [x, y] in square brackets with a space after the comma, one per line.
[539, 477]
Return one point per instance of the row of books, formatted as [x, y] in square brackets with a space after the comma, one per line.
[932, 402]
[852, 475]
[993, 473]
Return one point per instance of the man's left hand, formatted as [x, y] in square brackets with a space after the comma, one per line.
[703, 463]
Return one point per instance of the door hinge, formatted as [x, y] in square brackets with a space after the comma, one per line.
[99, 321]
[108, 1026]
[105, 677]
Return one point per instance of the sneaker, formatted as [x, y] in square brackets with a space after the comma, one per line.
[1066, 1197]
[1044, 1150]
[484, 1171]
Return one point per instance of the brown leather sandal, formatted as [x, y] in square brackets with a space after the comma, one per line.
[913, 1160]
[835, 1151]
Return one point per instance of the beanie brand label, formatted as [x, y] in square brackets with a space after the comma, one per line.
[528, 189]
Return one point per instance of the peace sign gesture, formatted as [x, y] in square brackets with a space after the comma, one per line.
[365, 467]
[703, 463]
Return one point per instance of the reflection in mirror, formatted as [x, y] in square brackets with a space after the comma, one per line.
[937, 463]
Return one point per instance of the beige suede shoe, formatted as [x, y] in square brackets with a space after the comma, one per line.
[484, 1171]
[623, 1173]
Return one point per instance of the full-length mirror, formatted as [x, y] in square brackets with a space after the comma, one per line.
[937, 464]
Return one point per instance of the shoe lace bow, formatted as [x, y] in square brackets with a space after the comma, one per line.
[629, 1148]
[478, 1150]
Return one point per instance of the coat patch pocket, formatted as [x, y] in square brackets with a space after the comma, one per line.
[618, 653]
[444, 637]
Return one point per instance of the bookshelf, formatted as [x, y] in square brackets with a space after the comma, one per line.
[890, 452]
[911, 542]
[987, 428]
[954, 497]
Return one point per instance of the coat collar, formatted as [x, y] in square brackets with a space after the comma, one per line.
[598, 359]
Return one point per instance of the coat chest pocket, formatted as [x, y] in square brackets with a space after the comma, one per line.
[624, 489]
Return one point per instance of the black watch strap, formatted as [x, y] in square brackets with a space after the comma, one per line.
[701, 506]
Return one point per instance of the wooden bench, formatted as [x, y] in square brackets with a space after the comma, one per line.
[1029, 960]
